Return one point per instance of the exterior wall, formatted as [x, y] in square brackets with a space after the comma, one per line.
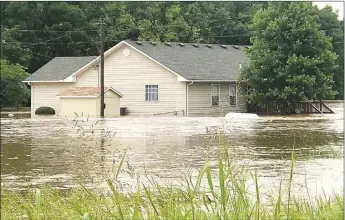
[112, 105]
[200, 100]
[90, 107]
[84, 107]
[129, 75]
[45, 94]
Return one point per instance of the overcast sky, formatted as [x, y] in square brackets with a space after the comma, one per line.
[335, 5]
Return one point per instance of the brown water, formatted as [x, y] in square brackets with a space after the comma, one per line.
[64, 153]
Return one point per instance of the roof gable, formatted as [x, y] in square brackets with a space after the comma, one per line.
[59, 69]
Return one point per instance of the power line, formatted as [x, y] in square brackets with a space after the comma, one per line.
[116, 40]
[108, 41]
[128, 29]
[58, 43]
[83, 42]
[59, 37]
[95, 30]
[47, 31]
[46, 42]
[28, 50]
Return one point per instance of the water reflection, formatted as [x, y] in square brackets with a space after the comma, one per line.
[65, 153]
[15, 158]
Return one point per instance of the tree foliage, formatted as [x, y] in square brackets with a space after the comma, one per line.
[291, 59]
[13, 92]
[334, 28]
[46, 27]
[33, 33]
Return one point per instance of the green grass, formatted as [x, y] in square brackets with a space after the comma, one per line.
[228, 198]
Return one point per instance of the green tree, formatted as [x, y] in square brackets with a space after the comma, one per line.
[39, 28]
[13, 51]
[14, 92]
[335, 29]
[291, 60]
[118, 21]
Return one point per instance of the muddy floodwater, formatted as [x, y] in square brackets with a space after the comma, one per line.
[65, 153]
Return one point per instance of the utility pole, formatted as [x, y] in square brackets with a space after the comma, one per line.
[102, 69]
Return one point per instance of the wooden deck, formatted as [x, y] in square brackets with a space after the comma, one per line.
[307, 107]
[315, 108]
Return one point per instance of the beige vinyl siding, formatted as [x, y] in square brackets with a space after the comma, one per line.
[200, 100]
[83, 107]
[90, 106]
[112, 104]
[129, 75]
[45, 94]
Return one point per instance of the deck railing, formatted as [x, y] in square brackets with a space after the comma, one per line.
[306, 107]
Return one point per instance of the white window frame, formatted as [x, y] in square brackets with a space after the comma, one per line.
[236, 95]
[218, 94]
[147, 88]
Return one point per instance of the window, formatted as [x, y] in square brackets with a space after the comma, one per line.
[215, 94]
[151, 93]
[233, 94]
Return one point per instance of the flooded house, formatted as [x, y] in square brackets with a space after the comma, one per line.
[153, 78]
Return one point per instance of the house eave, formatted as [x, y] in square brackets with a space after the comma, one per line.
[53, 81]
[75, 97]
[191, 80]
[115, 91]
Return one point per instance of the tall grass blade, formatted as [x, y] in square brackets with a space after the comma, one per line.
[279, 201]
[115, 196]
[38, 200]
[257, 196]
[291, 176]
[120, 165]
[136, 213]
[222, 188]
[148, 194]
[191, 196]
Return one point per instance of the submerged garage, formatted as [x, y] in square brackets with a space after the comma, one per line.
[86, 101]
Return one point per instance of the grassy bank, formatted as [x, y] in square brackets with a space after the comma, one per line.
[228, 198]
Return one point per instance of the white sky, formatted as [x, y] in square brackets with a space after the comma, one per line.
[335, 5]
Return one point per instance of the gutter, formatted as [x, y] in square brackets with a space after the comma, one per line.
[211, 81]
[187, 84]
[60, 81]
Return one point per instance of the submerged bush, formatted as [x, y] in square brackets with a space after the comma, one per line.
[44, 110]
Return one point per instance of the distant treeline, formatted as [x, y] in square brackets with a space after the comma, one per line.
[32, 33]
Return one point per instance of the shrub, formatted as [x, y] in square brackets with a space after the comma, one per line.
[13, 93]
[44, 110]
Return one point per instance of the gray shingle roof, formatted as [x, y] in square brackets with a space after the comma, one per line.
[59, 68]
[205, 62]
[197, 63]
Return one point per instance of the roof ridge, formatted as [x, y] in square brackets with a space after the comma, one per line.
[177, 42]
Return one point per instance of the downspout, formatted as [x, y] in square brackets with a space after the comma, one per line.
[98, 75]
[187, 111]
[247, 98]
[32, 99]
